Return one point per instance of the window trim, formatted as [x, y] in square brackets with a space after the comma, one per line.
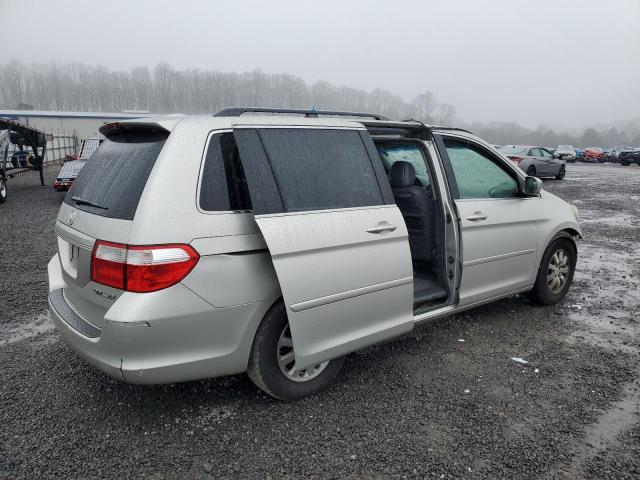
[203, 159]
[495, 158]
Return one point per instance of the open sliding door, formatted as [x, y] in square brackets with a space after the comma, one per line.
[338, 242]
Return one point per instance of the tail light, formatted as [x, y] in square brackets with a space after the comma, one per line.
[514, 158]
[141, 268]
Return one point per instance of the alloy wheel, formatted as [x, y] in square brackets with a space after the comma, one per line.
[287, 360]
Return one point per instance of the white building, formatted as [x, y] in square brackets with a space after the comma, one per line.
[66, 130]
[81, 125]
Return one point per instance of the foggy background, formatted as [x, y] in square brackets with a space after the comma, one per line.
[511, 70]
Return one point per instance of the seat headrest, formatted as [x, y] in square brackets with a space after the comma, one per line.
[402, 174]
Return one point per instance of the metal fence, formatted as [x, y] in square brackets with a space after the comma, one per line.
[59, 146]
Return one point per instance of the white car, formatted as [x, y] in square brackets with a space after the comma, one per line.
[566, 152]
[288, 239]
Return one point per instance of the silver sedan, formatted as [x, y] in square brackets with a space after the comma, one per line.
[536, 161]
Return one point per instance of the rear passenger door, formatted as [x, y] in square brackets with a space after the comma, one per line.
[338, 242]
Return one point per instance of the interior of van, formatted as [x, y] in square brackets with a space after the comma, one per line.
[409, 170]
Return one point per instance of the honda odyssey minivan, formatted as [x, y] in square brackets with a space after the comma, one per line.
[278, 241]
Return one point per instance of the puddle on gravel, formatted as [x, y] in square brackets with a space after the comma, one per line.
[39, 325]
[607, 312]
[605, 432]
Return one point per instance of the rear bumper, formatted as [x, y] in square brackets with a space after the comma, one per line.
[62, 186]
[164, 337]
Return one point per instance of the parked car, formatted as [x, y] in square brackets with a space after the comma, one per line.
[566, 153]
[629, 156]
[592, 154]
[536, 161]
[579, 153]
[72, 167]
[284, 242]
[614, 154]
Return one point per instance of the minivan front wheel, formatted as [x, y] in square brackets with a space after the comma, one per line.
[555, 273]
[272, 365]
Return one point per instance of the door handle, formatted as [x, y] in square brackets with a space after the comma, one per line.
[477, 216]
[382, 227]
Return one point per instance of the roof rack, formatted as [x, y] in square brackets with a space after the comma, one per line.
[237, 111]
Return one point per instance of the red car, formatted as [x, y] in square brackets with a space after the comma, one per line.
[592, 154]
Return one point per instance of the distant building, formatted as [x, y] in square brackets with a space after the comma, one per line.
[66, 130]
[81, 125]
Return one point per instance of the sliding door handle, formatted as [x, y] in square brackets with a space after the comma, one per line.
[382, 227]
[477, 216]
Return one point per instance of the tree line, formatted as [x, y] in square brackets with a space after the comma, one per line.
[506, 133]
[163, 89]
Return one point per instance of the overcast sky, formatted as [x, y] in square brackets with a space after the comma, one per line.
[554, 62]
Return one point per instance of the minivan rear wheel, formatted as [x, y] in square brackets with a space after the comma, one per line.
[272, 364]
[555, 273]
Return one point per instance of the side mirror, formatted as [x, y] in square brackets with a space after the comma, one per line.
[555, 155]
[532, 186]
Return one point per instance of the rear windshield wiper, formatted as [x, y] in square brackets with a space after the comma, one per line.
[82, 201]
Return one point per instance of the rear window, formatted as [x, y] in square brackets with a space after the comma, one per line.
[319, 169]
[223, 184]
[111, 183]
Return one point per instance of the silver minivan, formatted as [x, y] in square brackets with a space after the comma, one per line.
[276, 242]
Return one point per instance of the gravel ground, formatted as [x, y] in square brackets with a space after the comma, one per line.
[428, 405]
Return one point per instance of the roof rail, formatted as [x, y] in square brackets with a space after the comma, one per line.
[438, 127]
[237, 111]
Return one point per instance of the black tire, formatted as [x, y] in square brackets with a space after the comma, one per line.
[626, 164]
[561, 173]
[531, 171]
[542, 293]
[3, 190]
[263, 367]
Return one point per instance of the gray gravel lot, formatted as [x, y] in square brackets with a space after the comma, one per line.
[425, 406]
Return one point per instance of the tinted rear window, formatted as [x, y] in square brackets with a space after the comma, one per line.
[319, 169]
[116, 174]
[223, 184]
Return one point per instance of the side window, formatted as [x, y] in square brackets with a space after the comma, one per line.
[546, 153]
[535, 152]
[319, 169]
[223, 185]
[391, 153]
[476, 174]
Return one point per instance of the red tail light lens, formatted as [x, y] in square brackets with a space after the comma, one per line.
[108, 264]
[139, 268]
[156, 267]
[514, 158]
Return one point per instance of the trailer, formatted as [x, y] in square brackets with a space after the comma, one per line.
[72, 166]
[27, 154]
